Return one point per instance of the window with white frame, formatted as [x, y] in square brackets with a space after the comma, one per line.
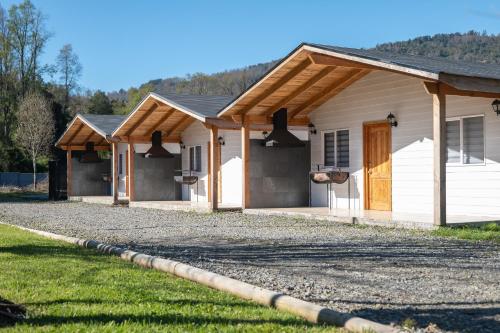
[336, 148]
[195, 158]
[465, 140]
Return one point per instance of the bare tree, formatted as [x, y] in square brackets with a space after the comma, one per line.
[35, 127]
[70, 69]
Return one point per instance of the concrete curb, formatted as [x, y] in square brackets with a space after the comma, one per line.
[309, 311]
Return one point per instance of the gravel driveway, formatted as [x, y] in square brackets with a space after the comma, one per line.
[381, 274]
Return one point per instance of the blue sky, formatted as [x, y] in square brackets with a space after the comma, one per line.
[123, 43]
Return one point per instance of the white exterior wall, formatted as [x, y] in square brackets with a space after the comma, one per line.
[471, 189]
[475, 189]
[231, 168]
[122, 178]
[196, 135]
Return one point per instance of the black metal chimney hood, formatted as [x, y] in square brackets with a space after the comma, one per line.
[280, 136]
[156, 150]
[90, 155]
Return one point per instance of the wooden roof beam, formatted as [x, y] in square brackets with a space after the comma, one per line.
[308, 84]
[101, 142]
[147, 139]
[88, 137]
[275, 86]
[433, 88]
[79, 128]
[141, 119]
[265, 120]
[178, 125]
[80, 147]
[160, 122]
[330, 91]
[326, 60]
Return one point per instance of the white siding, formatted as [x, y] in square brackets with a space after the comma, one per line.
[475, 189]
[231, 167]
[122, 178]
[472, 190]
[372, 99]
[196, 135]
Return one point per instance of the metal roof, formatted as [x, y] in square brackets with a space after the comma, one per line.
[104, 122]
[202, 105]
[428, 64]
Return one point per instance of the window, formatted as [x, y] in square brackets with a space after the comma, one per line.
[336, 148]
[465, 140]
[120, 164]
[195, 158]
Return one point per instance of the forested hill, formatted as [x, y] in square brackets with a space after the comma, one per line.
[471, 46]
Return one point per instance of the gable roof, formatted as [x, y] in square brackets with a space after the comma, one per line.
[423, 63]
[287, 74]
[202, 105]
[106, 124]
[102, 125]
[175, 113]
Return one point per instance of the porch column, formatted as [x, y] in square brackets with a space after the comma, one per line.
[439, 140]
[131, 168]
[245, 161]
[69, 173]
[214, 167]
[115, 172]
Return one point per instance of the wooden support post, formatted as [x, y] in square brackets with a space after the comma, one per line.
[245, 161]
[69, 173]
[115, 172]
[214, 167]
[131, 170]
[439, 139]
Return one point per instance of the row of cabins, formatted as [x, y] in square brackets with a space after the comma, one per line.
[417, 136]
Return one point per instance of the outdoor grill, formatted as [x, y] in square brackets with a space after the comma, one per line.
[186, 180]
[329, 177]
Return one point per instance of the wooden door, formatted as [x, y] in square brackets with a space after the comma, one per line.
[377, 166]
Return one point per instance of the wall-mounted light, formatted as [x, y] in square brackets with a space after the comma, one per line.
[312, 128]
[264, 134]
[496, 106]
[391, 119]
[221, 141]
[182, 145]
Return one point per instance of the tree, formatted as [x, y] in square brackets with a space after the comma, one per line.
[134, 96]
[35, 127]
[99, 103]
[70, 70]
[27, 37]
[8, 94]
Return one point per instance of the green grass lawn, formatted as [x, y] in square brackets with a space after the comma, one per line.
[490, 232]
[69, 289]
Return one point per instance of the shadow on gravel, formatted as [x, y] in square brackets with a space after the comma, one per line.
[446, 254]
[324, 260]
[448, 319]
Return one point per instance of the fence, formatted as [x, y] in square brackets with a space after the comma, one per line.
[20, 179]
